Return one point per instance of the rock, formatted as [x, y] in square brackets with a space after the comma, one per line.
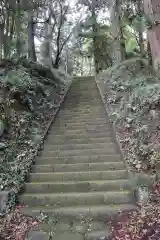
[2, 146]
[5, 197]
[142, 194]
[1, 128]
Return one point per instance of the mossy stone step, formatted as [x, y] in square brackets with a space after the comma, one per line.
[63, 140]
[83, 123]
[80, 135]
[77, 167]
[81, 126]
[83, 186]
[78, 176]
[86, 146]
[79, 118]
[79, 159]
[77, 226]
[79, 152]
[75, 199]
[98, 235]
[102, 212]
[88, 132]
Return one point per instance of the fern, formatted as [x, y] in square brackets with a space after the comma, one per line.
[18, 79]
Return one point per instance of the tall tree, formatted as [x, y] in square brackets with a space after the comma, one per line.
[116, 31]
[18, 27]
[31, 34]
[140, 26]
[94, 6]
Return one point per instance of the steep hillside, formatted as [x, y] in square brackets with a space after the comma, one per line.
[29, 97]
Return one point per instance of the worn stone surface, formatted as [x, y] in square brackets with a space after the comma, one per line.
[62, 227]
[68, 236]
[37, 235]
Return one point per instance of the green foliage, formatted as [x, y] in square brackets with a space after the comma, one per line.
[18, 80]
[22, 127]
[134, 100]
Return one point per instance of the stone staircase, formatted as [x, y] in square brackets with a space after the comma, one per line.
[80, 178]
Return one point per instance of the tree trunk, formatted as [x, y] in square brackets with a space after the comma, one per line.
[95, 43]
[122, 44]
[149, 54]
[31, 44]
[6, 43]
[1, 40]
[18, 26]
[140, 25]
[57, 60]
[116, 32]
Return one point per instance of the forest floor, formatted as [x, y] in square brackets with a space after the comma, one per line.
[132, 97]
[28, 102]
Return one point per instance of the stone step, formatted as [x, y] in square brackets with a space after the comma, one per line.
[83, 186]
[79, 122]
[81, 130]
[83, 79]
[86, 106]
[98, 235]
[79, 152]
[75, 199]
[79, 98]
[79, 135]
[77, 167]
[77, 226]
[86, 112]
[103, 212]
[78, 141]
[80, 127]
[37, 235]
[93, 132]
[82, 121]
[81, 111]
[78, 176]
[83, 92]
[77, 118]
[79, 105]
[65, 146]
[79, 159]
[83, 102]
[80, 89]
[81, 115]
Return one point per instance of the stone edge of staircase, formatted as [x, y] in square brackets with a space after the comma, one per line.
[135, 190]
[9, 195]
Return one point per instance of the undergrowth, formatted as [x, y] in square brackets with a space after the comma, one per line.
[27, 104]
[133, 101]
[140, 224]
[134, 107]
